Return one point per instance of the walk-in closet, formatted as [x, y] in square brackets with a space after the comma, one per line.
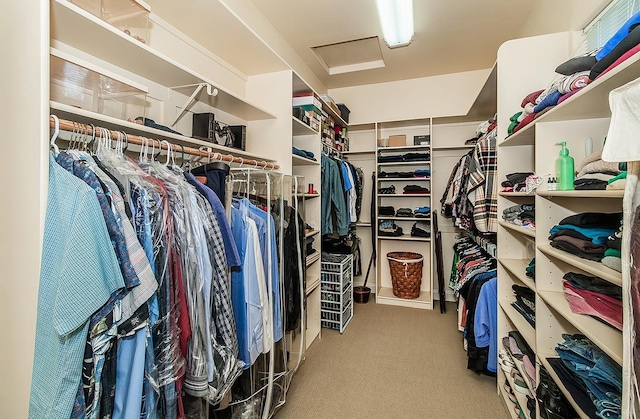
[256, 209]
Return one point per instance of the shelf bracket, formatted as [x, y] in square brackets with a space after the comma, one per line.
[211, 91]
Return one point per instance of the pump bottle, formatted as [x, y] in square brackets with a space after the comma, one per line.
[565, 173]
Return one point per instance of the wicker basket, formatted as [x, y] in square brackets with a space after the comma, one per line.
[406, 273]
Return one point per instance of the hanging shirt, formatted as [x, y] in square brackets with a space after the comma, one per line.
[486, 321]
[332, 197]
[78, 274]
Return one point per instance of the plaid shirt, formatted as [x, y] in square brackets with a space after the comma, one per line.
[482, 186]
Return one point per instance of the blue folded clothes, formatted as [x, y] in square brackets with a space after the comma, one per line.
[422, 210]
[422, 172]
[303, 153]
[597, 235]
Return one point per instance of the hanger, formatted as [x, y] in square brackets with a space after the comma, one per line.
[54, 137]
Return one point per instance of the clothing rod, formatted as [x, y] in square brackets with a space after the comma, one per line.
[71, 126]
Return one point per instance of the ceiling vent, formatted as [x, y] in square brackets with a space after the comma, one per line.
[350, 56]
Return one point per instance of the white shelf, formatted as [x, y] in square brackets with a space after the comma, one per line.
[401, 195]
[363, 224]
[404, 179]
[405, 218]
[359, 152]
[385, 296]
[521, 397]
[592, 267]
[453, 147]
[313, 258]
[312, 285]
[307, 195]
[300, 128]
[405, 148]
[525, 329]
[605, 337]
[302, 161]
[311, 233]
[516, 194]
[556, 379]
[84, 116]
[79, 29]
[406, 238]
[617, 193]
[523, 137]
[517, 268]
[406, 163]
[517, 228]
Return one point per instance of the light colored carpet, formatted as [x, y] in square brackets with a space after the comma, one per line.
[391, 362]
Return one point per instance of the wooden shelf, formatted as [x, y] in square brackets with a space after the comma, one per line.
[300, 128]
[605, 337]
[405, 148]
[406, 163]
[385, 296]
[312, 285]
[406, 238]
[556, 379]
[592, 267]
[79, 29]
[517, 267]
[517, 228]
[302, 161]
[525, 329]
[404, 179]
[616, 193]
[405, 218]
[83, 116]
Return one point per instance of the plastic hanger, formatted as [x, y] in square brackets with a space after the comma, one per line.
[56, 132]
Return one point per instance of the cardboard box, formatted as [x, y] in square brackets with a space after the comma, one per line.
[397, 140]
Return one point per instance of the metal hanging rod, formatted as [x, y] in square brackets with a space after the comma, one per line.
[71, 126]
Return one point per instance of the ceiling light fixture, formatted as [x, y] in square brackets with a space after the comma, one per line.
[396, 17]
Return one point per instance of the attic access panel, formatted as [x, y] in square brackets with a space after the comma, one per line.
[350, 56]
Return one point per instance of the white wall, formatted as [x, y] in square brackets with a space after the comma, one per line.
[24, 25]
[447, 95]
[550, 16]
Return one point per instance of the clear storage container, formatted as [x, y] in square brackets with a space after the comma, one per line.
[130, 16]
[82, 85]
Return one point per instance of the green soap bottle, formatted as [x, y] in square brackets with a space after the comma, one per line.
[565, 169]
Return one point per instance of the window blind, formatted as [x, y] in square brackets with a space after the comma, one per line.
[598, 32]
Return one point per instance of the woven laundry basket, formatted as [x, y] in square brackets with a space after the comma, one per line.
[406, 273]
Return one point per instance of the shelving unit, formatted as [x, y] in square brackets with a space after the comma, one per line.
[386, 244]
[337, 292]
[585, 114]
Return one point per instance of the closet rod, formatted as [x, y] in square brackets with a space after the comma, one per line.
[71, 126]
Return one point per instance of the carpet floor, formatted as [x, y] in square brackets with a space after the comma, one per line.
[391, 362]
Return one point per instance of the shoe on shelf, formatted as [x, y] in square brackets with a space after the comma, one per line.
[505, 361]
[518, 383]
[510, 392]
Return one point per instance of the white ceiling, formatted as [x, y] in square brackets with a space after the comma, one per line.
[450, 36]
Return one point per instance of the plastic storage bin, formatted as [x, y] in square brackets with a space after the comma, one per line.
[84, 86]
[336, 291]
[130, 16]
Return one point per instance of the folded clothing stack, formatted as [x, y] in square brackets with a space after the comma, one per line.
[590, 375]
[303, 153]
[404, 212]
[612, 256]
[421, 173]
[483, 129]
[417, 157]
[525, 303]
[421, 229]
[585, 235]
[390, 190]
[530, 271]
[516, 182]
[415, 190]
[596, 174]
[418, 173]
[309, 243]
[389, 228]
[386, 211]
[523, 215]
[422, 212]
[595, 297]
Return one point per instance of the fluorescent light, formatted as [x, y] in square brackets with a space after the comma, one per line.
[396, 17]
